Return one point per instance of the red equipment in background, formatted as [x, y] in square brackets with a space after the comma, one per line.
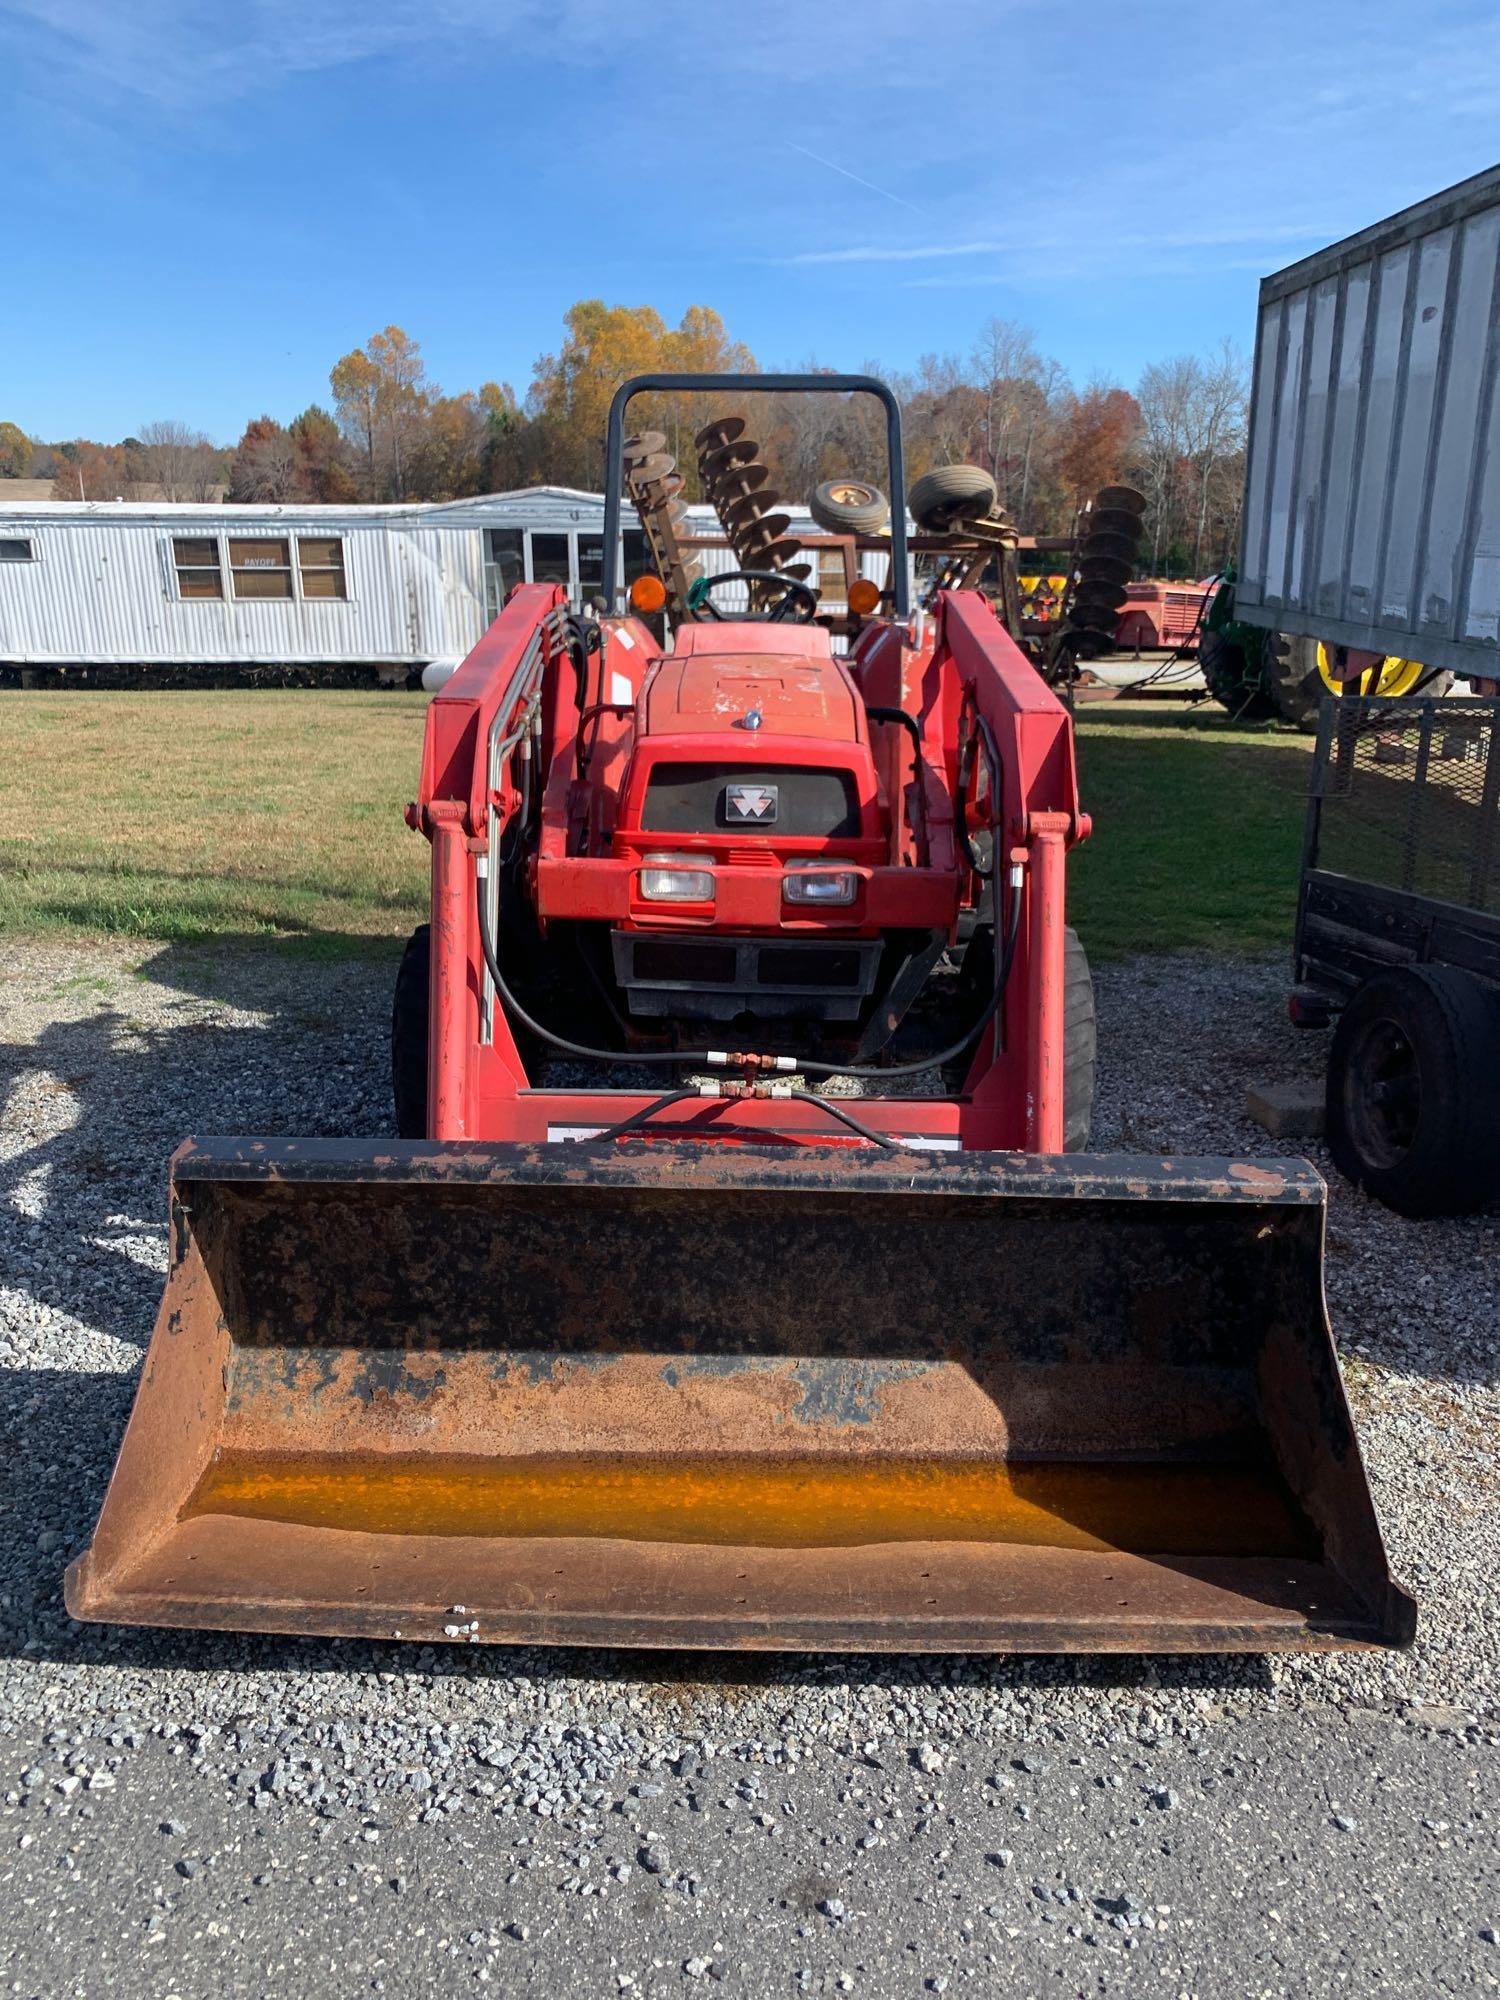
[1161, 617]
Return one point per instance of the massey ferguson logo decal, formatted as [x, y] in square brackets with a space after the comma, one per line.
[753, 805]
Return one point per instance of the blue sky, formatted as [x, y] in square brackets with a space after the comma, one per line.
[210, 204]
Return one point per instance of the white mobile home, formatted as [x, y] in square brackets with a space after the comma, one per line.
[130, 584]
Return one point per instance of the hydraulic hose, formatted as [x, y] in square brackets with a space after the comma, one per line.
[638, 1117]
[566, 1047]
[955, 1049]
[514, 1008]
[806, 1068]
[834, 1110]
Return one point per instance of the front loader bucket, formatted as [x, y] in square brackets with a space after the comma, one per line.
[677, 1395]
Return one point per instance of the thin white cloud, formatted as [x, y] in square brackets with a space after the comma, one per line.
[190, 56]
[867, 253]
[859, 179]
[1213, 236]
[187, 56]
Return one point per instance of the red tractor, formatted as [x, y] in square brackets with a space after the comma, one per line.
[753, 841]
[643, 1334]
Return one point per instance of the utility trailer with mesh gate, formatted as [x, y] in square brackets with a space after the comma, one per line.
[1398, 933]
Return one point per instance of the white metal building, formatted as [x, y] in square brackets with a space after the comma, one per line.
[152, 584]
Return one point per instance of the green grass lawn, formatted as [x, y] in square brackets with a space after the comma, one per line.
[277, 816]
[1197, 829]
[182, 815]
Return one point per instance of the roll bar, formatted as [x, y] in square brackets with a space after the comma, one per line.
[757, 385]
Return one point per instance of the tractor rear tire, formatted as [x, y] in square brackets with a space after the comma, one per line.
[1297, 685]
[409, 1018]
[1080, 1047]
[849, 507]
[1231, 680]
[1413, 1100]
[949, 493]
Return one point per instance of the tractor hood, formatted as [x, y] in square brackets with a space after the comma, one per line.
[753, 694]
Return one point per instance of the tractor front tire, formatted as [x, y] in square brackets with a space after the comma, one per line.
[1080, 1047]
[1413, 1101]
[1231, 680]
[409, 1016]
[1080, 1029]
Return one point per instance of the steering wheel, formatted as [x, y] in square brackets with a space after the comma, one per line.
[797, 601]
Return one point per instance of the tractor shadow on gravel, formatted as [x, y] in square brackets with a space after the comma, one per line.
[304, 1049]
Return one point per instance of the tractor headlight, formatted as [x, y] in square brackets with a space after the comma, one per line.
[820, 882]
[676, 878]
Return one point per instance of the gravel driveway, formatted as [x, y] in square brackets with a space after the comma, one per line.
[207, 1815]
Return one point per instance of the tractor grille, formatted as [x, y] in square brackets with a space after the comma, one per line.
[689, 798]
[716, 978]
[1407, 796]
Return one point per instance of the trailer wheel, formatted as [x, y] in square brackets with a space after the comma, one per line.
[409, 1013]
[1232, 681]
[1300, 674]
[849, 507]
[949, 493]
[1080, 1047]
[1413, 1104]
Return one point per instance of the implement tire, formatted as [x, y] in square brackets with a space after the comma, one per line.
[1413, 1103]
[849, 507]
[950, 493]
[1299, 687]
[409, 1017]
[1231, 681]
[1080, 1047]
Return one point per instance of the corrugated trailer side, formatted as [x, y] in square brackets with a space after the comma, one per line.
[1372, 504]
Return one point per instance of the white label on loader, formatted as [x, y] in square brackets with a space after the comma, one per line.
[933, 1142]
[620, 688]
[622, 638]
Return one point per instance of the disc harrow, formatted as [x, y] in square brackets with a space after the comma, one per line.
[655, 485]
[1106, 535]
[737, 482]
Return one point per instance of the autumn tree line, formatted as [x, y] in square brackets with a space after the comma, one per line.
[389, 433]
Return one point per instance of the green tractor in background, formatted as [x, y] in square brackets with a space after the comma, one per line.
[1260, 675]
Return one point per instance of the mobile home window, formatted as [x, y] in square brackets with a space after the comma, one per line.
[637, 555]
[197, 562]
[321, 560]
[549, 560]
[505, 566]
[590, 567]
[260, 568]
[16, 548]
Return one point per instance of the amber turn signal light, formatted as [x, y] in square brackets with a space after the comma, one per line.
[864, 595]
[648, 593]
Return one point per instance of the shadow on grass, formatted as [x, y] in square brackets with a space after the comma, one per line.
[1200, 718]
